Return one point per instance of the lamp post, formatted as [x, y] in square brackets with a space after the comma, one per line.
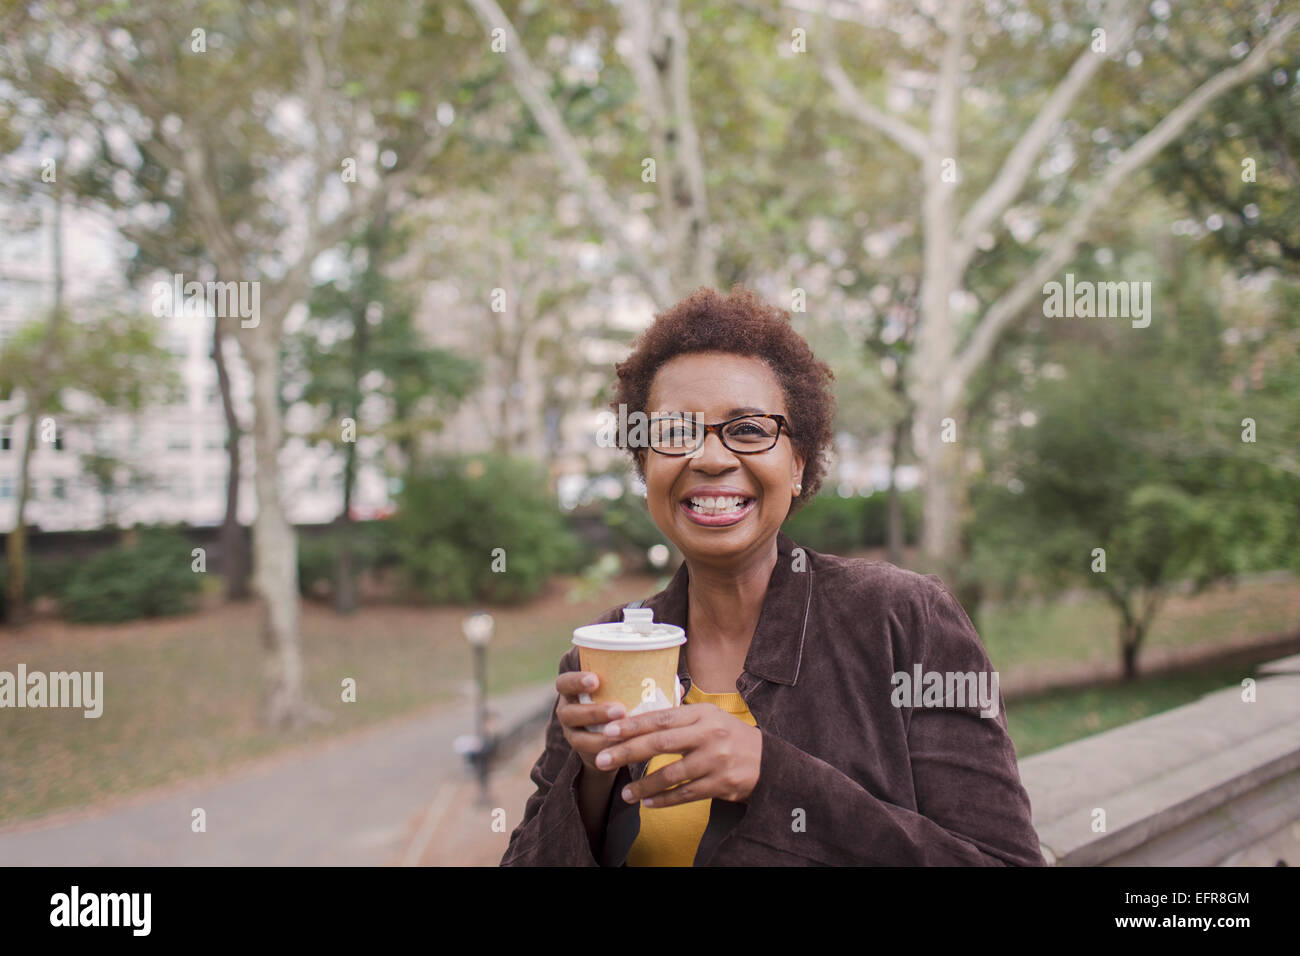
[478, 631]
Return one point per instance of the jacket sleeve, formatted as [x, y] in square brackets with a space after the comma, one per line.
[552, 832]
[971, 807]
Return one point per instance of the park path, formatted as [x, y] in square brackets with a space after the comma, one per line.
[395, 794]
[352, 801]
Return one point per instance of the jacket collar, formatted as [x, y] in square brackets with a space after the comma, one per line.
[777, 647]
[774, 655]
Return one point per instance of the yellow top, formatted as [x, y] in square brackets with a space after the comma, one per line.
[670, 836]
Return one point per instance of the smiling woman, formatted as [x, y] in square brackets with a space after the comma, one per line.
[789, 746]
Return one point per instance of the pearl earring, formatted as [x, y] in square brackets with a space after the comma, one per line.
[798, 489]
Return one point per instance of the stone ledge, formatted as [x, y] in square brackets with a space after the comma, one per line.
[1191, 785]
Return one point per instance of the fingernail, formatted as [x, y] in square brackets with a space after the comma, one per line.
[648, 802]
[611, 730]
[589, 682]
[603, 760]
[627, 794]
[614, 710]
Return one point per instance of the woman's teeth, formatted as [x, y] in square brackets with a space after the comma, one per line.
[718, 506]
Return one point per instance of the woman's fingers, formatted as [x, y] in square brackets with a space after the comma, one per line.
[573, 683]
[674, 740]
[582, 715]
[682, 781]
[584, 742]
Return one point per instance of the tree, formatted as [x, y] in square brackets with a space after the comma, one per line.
[67, 372]
[110, 475]
[948, 356]
[283, 128]
[1238, 167]
[360, 330]
[1125, 471]
[655, 48]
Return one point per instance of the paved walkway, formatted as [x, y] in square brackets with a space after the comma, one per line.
[456, 830]
[359, 800]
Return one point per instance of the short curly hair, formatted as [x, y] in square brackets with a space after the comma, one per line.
[740, 323]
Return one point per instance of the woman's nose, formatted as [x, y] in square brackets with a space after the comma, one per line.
[713, 452]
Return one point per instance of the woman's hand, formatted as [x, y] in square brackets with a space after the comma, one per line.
[721, 754]
[574, 716]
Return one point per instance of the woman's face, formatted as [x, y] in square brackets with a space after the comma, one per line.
[719, 386]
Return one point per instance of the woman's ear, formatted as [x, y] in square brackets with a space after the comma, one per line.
[796, 474]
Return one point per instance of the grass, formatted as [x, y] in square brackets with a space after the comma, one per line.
[182, 695]
[1085, 631]
[1050, 720]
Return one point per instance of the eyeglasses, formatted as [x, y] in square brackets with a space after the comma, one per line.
[676, 435]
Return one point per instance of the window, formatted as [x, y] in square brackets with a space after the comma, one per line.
[59, 489]
[178, 440]
[215, 441]
[6, 487]
[58, 441]
[6, 438]
[212, 396]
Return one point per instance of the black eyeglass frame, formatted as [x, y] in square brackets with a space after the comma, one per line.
[781, 423]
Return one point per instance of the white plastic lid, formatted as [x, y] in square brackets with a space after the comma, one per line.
[642, 619]
[638, 631]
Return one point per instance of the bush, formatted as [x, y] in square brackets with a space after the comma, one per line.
[451, 520]
[875, 518]
[835, 525]
[318, 554]
[151, 578]
[46, 577]
[828, 523]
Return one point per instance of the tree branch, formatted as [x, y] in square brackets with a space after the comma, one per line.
[1007, 307]
[1015, 169]
[691, 160]
[943, 111]
[904, 135]
[573, 167]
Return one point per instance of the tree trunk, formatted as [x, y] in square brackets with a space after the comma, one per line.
[894, 537]
[275, 545]
[943, 491]
[233, 543]
[16, 542]
[894, 526]
[1130, 643]
[345, 578]
[345, 581]
[936, 345]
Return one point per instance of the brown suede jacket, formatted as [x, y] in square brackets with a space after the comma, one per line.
[849, 774]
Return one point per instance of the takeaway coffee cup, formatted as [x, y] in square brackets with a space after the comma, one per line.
[636, 661]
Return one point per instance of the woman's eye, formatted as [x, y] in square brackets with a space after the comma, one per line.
[747, 429]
